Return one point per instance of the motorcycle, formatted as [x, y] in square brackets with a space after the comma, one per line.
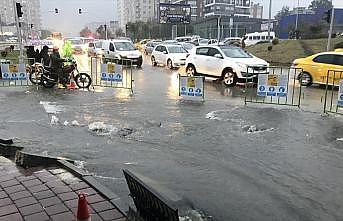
[46, 76]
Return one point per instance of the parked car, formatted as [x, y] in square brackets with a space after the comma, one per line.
[95, 48]
[232, 41]
[316, 67]
[120, 50]
[149, 47]
[228, 63]
[170, 42]
[172, 55]
[183, 39]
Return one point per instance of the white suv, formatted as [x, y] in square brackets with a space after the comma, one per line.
[121, 50]
[172, 55]
[228, 63]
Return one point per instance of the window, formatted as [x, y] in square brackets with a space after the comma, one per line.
[163, 49]
[124, 46]
[202, 51]
[176, 49]
[111, 47]
[325, 59]
[235, 52]
[158, 48]
[212, 52]
[91, 45]
[338, 60]
[98, 44]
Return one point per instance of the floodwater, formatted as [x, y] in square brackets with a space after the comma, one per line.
[227, 160]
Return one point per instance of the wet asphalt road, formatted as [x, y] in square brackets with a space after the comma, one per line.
[289, 169]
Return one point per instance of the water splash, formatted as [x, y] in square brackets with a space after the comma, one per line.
[74, 123]
[54, 120]
[102, 129]
[339, 139]
[194, 215]
[213, 116]
[251, 129]
[51, 107]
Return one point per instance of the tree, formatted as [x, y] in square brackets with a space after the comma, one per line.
[101, 32]
[86, 32]
[284, 12]
[119, 32]
[317, 4]
[45, 34]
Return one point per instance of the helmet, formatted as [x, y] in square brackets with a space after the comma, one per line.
[55, 48]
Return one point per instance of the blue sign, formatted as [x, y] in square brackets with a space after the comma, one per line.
[340, 101]
[14, 76]
[22, 76]
[282, 92]
[104, 76]
[262, 88]
[271, 92]
[198, 92]
[5, 76]
[190, 91]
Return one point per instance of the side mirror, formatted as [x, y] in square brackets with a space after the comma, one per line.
[218, 56]
[165, 52]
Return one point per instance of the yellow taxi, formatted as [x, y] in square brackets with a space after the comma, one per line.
[315, 68]
[140, 45]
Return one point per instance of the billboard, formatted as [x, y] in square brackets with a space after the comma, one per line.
[174, 13]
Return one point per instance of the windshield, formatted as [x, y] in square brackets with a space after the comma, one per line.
[124, 46]
[203, 41]
[76, 41]
[188, 46]
[233, 52]
[176, 49]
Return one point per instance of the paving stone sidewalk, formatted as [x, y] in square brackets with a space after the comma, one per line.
[39, 194]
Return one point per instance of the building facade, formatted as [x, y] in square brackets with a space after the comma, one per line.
[216, 8]
[136, 10]
[256, 11]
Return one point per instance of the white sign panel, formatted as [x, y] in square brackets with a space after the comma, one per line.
[272, 85]
[13, 72]
[340, 94]
[112, 73]
[191, 86]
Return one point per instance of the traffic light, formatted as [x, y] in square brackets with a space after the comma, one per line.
[327, 16]
[126, 27]
[56, 10]
[19, 11]
[80, 11]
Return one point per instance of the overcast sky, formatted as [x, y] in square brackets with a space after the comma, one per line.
[69, 22]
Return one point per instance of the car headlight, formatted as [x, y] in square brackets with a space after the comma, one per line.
[242, 67]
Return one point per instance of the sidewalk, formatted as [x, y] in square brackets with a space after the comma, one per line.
[39, 194]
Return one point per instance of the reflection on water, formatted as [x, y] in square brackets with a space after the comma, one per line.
[173, 89]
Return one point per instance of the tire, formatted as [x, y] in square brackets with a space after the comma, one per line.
[153, 61]
[229, 78]
[190, 70]
[170, 64]
[36, 76]
[49, 83]
[83, 80]
[305, 79]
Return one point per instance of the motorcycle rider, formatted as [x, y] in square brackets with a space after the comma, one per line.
[57, 66]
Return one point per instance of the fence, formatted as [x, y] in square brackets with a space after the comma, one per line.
[275, 85]
[150, 205]
[333, 99]
[111, 73]
[15, 74]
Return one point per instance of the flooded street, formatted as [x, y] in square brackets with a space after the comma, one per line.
[227, 160]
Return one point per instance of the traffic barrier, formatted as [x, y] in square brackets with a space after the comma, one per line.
[275, 85]
[111, 73]
[333, 99]
[191, 87]
[13, 74]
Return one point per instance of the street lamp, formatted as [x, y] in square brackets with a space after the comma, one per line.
[296, 20]
[269, 19]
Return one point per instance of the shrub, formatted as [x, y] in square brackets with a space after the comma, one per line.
[275, 41]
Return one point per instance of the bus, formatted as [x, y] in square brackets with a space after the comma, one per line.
[256, 37]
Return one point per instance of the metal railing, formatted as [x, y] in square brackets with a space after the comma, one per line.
[333, 99]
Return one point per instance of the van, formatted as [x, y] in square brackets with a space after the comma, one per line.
[121, 50]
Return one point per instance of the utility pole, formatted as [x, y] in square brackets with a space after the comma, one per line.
[269, 18]
[2, 33]
[328, 47]
[297, 18]
[218, 28]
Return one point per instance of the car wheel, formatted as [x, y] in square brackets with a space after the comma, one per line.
[305, 79]
[190, 70]
[229, 78]
[170, 64]
[153, 61]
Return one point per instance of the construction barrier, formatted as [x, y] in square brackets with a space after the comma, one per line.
[112, 73]
[333, 99]
[191, 87]
[275, 85]
[15, 74]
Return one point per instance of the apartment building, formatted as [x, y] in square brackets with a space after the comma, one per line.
[240, 8]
